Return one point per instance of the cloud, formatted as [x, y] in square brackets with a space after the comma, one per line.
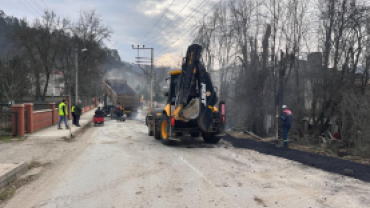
[153, 8]
[129, 19]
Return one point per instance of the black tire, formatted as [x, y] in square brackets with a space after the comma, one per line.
[210, 138]
[157, 130]
[165, 137]
[150, 132]
[195, 134]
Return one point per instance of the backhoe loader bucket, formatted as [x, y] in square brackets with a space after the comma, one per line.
[191, 111]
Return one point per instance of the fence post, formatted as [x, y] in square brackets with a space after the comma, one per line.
[53, 113]
[29, 108]
[85, 102]
[19, 120]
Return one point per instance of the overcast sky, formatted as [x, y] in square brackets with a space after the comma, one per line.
[130, 21]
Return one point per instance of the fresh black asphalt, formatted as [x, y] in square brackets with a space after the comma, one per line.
[326, 163]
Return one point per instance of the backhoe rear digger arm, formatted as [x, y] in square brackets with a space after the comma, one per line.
[195, 84]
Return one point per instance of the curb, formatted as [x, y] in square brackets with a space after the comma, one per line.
[13, 173]
[48, 138]
[79, 130]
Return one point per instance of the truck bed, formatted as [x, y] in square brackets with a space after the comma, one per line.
[120, 92]
[129, 102]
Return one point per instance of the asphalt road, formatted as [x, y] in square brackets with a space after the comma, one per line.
[118, 165]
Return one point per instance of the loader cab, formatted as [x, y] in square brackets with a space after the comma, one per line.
[172, 82]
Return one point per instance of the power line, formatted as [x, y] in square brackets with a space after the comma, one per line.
[27, 8]
[37, 5]
[160, 52]
[173, 42]
[188, 29]
[32, 6]
[169, 21]
[178, 28]
[44, 4]
[157, 21]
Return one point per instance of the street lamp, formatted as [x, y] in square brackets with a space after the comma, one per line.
[82, 50]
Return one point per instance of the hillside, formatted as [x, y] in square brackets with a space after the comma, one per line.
[7, 23]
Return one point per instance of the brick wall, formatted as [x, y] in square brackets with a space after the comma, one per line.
[87, 108]
[19, 121]
[56, 116]
[36, 120]
[42, 119]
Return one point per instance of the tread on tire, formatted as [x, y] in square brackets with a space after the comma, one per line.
[210, 138]
[165, 137]
[157, 133]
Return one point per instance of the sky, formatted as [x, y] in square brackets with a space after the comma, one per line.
[133, 22]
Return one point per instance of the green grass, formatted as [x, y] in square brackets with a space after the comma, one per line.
[7, 193]
[4, 138]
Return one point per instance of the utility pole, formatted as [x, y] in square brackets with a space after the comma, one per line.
[138, 62]
[76, 88]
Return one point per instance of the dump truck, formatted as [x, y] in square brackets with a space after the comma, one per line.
[191, 104]
[116, 90]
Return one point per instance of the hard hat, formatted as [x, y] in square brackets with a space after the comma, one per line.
[284, 106]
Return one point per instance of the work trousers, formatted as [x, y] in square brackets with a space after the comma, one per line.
[61, 118]
[286, 130]
[77, 121]
[74, 118]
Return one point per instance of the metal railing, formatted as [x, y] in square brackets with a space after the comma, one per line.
[5, 108]
[6, 124]
[40, 106]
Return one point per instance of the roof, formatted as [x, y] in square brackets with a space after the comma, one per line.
[175, 72]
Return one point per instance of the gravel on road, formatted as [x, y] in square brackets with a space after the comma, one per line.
[118, 165]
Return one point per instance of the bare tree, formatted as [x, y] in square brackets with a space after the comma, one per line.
[90, 33]
[40, 45]
[14, 81]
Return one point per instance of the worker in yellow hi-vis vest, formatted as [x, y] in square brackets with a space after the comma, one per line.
[63, 113]
[73, 114]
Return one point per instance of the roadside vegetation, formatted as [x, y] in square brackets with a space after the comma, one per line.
[33, 53]
[313, 56]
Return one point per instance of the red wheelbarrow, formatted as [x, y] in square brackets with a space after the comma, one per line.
[99, 120]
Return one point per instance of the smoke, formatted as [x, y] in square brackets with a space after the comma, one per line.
[133, 78]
